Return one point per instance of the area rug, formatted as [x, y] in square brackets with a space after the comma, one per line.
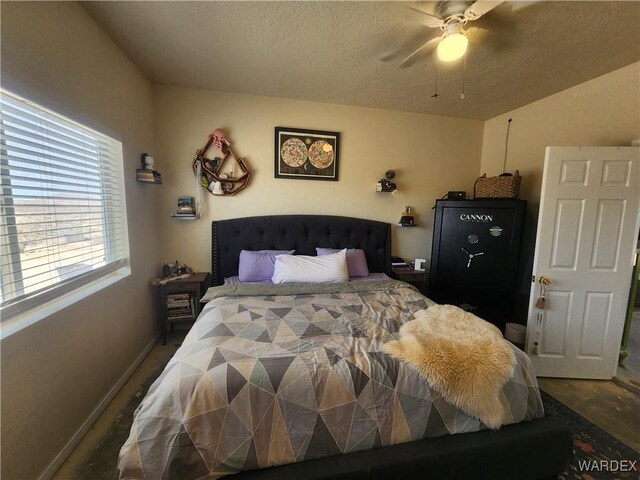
[591, 444]
[596, 454]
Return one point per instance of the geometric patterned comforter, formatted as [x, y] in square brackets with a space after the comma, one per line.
[276, 374]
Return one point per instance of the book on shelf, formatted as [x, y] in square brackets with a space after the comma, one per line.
[177, 304]
[399, 263]
[180, 307]
[186, 206]
[185, 202]
[182, 317]
[178, 296]
[182, 312]
[150, 180]
[148, 173]
[148, 176]
[177, 301]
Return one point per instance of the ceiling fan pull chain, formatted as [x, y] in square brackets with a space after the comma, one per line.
[464, 74]
[436, 94]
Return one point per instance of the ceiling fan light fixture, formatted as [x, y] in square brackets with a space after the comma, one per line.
[452, 47]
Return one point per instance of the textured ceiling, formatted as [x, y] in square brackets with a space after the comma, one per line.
[351, 52]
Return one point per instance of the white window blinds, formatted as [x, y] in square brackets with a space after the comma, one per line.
[63, 205]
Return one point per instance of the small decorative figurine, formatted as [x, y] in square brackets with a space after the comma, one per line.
[407, 219]
[220, 140]
[148, 163]
[385, 184]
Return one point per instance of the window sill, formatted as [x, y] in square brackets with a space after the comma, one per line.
[34, 315]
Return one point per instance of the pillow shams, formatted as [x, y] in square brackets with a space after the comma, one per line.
[307, 269]
[257, 266]
[356, 260]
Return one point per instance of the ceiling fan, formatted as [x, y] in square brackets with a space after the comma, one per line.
[450, 17]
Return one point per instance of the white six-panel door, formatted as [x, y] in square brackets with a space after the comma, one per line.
[585, 244]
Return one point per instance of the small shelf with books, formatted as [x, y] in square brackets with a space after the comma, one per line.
[148, 176]
[186, 209]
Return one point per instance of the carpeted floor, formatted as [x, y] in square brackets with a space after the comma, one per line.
[102, 462]
[590, 442]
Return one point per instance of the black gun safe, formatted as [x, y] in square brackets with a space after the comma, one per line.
[474, 256]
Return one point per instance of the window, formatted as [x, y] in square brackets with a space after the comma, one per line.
[63, 206]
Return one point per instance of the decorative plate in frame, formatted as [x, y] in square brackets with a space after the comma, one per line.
[306, 154]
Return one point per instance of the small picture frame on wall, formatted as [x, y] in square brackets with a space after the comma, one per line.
[306, 154]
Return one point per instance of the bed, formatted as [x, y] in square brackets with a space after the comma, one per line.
[289, 381]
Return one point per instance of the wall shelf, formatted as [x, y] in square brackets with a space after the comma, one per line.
[148, 176]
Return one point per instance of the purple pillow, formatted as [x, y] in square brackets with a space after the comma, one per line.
[257, 266]
[356, 261]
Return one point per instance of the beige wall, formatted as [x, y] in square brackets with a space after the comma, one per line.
[431, 155]
[603, 111]
[56, 372]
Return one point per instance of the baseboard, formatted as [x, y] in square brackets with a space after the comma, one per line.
[57, 462]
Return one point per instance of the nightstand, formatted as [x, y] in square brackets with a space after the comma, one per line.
[180, 300]
[418, 278]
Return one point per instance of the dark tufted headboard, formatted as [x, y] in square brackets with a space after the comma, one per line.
[300, 232]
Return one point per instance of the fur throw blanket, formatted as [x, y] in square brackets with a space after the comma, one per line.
[462, 357]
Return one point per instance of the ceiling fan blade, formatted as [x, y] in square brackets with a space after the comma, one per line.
[480, 8]
[432, 21]
[393, 54]
[424, 49]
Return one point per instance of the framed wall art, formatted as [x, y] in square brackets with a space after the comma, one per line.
[306, 154]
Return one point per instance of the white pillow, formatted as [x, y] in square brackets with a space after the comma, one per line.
[306, 269]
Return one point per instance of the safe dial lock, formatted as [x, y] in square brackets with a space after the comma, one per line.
[471, 255]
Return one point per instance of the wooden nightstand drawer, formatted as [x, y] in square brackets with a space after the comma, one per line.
[179, 287]
[411, 275]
